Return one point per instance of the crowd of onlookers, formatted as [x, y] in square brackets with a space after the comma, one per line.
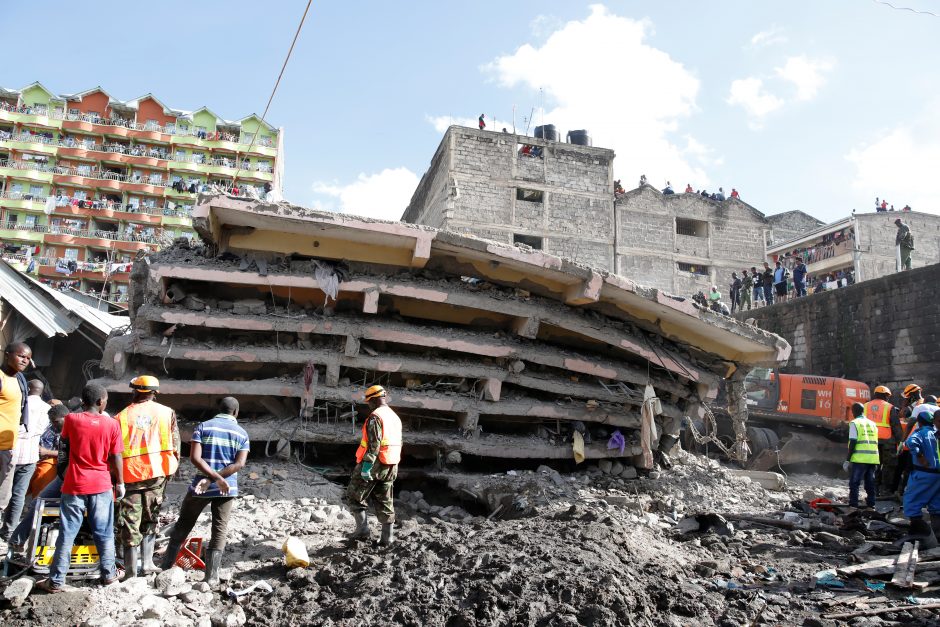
[788, 278]
[719, 196]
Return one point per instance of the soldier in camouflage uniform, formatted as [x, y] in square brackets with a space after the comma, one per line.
[376, 469]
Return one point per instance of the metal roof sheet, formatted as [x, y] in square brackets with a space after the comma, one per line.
[103, 321]
[33, 303]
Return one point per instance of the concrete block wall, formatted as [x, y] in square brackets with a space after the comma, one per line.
[880, 331]
[791, 224]
[876, 234]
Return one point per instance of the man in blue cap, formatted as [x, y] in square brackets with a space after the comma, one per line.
[923, 484]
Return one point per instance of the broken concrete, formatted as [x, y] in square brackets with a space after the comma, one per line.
[486, 349]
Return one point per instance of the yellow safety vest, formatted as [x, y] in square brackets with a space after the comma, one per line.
[866, 447]
[147, 431]
[390, 447]
[879, 412]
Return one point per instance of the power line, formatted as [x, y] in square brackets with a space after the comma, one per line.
[277, 83]
[888, 4]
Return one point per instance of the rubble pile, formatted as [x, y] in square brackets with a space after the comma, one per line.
[487, 350]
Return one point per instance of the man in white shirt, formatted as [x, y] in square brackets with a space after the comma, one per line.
[26, 454]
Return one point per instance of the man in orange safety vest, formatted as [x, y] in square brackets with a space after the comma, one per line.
[886, 417]
[376, 469]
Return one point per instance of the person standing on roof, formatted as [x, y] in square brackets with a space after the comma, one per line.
[862, 458]
[904, 240]
[923, 486]
[376, 469]
[885, 416]
[482, 123]
[218, 449]
[151, 456]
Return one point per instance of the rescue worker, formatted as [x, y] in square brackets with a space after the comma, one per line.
[885, 416]
[912, 396]
[377, 459]
[151, 456]
[863, 455]
[923, 486]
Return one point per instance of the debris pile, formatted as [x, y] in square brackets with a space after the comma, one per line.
[487, 350]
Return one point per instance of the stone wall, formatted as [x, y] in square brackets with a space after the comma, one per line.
[791, 224]
[880, 331]
[876, 233]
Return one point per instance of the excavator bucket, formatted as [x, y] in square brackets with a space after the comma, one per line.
[799, 448]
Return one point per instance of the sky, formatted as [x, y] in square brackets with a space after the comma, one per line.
[816, 106]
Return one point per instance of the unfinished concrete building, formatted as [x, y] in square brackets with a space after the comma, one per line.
[486, 349]
[559, 198]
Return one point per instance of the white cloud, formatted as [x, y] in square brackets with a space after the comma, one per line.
[899, 166]
[806, 74]
[750, 94]
[633, 102]
[769, 37]
[384, 195]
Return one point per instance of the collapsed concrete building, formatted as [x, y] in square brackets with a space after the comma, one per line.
[486, 349]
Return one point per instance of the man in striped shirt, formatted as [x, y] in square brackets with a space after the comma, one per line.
[218, 449]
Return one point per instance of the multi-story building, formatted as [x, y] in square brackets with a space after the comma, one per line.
[87, 181]
[859, 247]
[560, 197]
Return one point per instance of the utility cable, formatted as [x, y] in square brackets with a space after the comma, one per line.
[276, 85]
[888, 4]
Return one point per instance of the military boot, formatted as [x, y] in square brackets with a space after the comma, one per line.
[213, 565]
[388, 534]
[169, 558]
[130, 561]
[146, 555]
[362, 526]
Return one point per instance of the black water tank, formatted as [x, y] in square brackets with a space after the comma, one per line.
[547, 132]
[581, 138]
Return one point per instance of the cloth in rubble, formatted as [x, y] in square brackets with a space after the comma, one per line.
[577, 447]
[651, 408]
[326, 276]
[617, 441]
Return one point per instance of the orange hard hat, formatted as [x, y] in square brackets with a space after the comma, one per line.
[911, 389]
[145, 383]
[882, 390]
[376, 391]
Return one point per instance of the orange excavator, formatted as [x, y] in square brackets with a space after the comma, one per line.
[794, 419]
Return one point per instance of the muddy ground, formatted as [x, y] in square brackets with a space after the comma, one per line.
[580, 548]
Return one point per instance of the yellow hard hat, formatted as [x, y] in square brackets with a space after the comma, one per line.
[911, 389]
[376, 391]
[145, 383]
[882, 390]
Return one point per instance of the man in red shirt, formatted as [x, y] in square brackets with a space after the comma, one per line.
[90, 463]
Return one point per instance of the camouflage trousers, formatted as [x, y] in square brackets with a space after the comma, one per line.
[887, 471]
[139, 510]
[359, 492]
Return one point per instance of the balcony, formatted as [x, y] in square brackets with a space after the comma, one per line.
[30, 115]
[20, 200]
[33, 171]
[60, 234]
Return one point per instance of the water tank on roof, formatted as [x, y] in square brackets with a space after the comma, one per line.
[548, 132]
[580, 138]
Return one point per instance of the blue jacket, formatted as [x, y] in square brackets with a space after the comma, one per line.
[24, 393]
[799, 272]
[923, 442]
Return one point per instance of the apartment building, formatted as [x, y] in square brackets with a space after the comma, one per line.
[88, 181]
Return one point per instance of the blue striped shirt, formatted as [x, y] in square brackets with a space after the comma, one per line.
[221, 439]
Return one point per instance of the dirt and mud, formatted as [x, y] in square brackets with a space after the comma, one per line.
[512, 548]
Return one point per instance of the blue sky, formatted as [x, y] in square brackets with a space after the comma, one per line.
[819, 106]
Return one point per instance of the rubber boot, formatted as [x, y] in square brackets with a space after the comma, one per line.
[923, 532]
[362, 526]
[666, 444]
[130, 561]
[213, 563]
[146, 555]
[169, 558]
[388, 534]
